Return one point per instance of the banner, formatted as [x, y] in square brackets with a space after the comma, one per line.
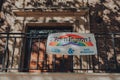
[71, 44]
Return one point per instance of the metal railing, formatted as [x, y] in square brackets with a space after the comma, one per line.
[26, 52]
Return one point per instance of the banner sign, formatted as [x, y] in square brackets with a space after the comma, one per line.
[71, 44]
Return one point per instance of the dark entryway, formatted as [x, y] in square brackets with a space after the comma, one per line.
[36, 59]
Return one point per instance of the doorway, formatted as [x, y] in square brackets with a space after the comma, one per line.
[36, 59]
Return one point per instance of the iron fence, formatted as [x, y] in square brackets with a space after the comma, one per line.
[26, 52]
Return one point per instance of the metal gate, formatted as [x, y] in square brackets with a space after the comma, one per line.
[36, 58]
[107, 60]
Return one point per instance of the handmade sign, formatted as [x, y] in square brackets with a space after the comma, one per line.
[71, 44]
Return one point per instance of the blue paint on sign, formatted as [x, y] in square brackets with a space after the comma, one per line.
[55, 50]
[71, 51]
[87, 51]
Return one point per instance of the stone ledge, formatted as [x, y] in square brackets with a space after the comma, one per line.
[59, 76]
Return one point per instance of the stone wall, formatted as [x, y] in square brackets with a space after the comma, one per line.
[104, 17]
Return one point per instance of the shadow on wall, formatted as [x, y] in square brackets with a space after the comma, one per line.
[104, 17]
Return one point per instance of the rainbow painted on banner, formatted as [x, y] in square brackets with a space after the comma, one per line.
[80, 41]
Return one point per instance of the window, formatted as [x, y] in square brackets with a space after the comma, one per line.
[36, 59]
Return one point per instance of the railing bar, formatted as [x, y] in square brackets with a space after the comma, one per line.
[45, 69]
[62, 67]
[29, 52]
[89, 61]
[6, 54]
[102, 33]
[106, 61]
[46, 58]
[20, 68]
[22, 37]
[93, 63]
[13, 52]
[80, 62]
[38, 54]
[4, 57]
[54, 63]
[115, 55]
[98, 56]
[71, 63]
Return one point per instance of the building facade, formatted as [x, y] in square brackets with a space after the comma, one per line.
[25, 25]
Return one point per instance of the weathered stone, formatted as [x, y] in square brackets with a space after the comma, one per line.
[58, 76]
